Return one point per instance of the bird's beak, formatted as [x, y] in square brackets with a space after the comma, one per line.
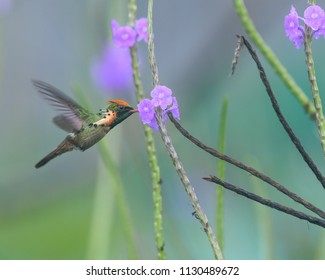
[134, 111]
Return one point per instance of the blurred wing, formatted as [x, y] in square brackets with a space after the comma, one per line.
[73, 115]
[67, 124]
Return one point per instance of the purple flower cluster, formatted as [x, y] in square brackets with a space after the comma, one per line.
[162, 98]
[314, 17]
[112, 71]
[5, 6]
[126, 36]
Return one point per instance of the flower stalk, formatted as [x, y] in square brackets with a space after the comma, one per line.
[313, 27]
[269, 55]
[221, 174]
[199, 213]
[314, 87]
[151, 150]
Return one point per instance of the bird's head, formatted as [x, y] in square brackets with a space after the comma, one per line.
[121, 109]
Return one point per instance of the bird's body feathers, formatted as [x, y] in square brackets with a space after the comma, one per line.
[85, 128]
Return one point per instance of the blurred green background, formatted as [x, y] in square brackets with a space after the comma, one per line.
[68, 209]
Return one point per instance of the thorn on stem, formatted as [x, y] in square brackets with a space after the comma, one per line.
[195, 214]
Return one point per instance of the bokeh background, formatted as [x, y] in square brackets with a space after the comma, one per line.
[69, 210]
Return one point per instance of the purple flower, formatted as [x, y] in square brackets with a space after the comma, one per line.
[5, 6]
[161, 97]
[297, 38]
[174, 109]
[153, 124]
[291, 23]
[314, 16]
[292, 28]
[123, 36]
[321, 30]
[113, 70]
[147, 107]
[114, 25]
[141, 27]
[146, 111]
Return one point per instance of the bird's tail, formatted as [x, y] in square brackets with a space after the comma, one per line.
[65, 146]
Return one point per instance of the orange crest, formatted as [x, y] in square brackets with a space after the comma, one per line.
[119, 102]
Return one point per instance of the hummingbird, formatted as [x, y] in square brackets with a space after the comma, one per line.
[85, 128]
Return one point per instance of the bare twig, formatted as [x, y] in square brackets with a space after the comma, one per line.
[199, 213]
[280, 116]
[249, 169]
[272, 59]
[151, 149]
[201, 216]
[236, 55]
[269, 203]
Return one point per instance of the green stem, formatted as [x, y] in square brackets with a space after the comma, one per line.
[199, 213]
[121, 199]
[221, 173]
[151, 150]
[104, 213]
[272, 59]
[264, 219]
[116, 185]
[151, 47]
[314, 88]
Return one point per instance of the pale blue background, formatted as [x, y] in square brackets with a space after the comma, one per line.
[49, 213]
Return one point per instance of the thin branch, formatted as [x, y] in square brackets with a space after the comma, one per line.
[238, 48]
[199, 213]
[314, 87]
[202, 218]
[248, 169]
[151, 149]
[151, 47]
[267, 202]
[272, 59]
[280, 116]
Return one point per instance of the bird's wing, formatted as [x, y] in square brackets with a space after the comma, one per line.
[73, 115]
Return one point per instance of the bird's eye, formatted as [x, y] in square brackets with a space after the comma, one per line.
[120, 107]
